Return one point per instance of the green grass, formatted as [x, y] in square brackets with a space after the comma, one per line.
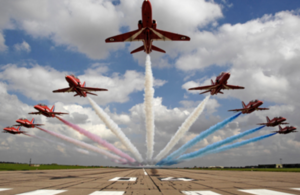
[24, 167]
[257, 169]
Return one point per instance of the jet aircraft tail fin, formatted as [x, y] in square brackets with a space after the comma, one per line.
[83, 85]
[244, 105]
[32, 120]
[212, 82]
[157, 49]
[205, 92]
[19, 128]
[53, 108]
[268, 119]
[280, 128]
[138, 49]
[91, 93]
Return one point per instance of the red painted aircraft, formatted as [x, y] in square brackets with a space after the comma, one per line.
[44, 110]
[274, 122]
[286, 130]
[218, 85]
[13, 130]
[26, 123]
[147, 33]
[76, 86]
[250, 107]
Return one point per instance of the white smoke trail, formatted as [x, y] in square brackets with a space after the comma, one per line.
[182, 130]
[148, 106]
[85, 145]
[116, 130]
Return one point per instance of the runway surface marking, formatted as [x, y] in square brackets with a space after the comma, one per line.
[199, 193]
[145, 172]
[123, 179]
[264, 192]
[43, 192]
[108, 193]
[175, 179]
[3, 189]
[295, 188]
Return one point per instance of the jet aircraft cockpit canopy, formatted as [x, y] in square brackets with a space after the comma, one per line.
[280, 117]
[21, 118]
[42, 104]
[74, 76]
[221, 74]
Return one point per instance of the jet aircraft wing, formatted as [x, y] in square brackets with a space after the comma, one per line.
[232, 87]
[208, 87]
[237, 110]
[68, 89]
[262, 108]
[91, 89]
[57, 113]
[34, 113]
[168, 36]
[126, 37]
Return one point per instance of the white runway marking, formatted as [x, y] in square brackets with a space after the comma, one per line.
[108, 193]
[264, 192]
[43, 192]
[145, 172]
[3, 189]
[199, 193]
[123, 179]
[175, 179]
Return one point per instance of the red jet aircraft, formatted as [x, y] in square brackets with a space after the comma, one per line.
[286, 130]
[218, 85]
[76, 86]
[26, 123]
[250, 107]
[274, 122]
[13, 130]
[44, 110]
[147, 33]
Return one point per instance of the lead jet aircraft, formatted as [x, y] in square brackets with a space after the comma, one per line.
[13, 130]
[147, 33]
[77, 87]
[44, 110]
[26, 123]
[286, 130]
[219, 84]
[274, 122]
[250, 107]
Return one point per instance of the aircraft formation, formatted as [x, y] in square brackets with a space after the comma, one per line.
[147, 32]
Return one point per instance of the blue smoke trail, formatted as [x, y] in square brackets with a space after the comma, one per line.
[228, 147]
[213, 146]
[198, 138]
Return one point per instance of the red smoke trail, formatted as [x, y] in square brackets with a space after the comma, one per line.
[114, 157]
[98, 139]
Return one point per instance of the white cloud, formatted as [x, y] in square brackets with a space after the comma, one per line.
[24, 46]
[37, 83]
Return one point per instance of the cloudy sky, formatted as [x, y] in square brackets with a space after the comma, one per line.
[41, 41]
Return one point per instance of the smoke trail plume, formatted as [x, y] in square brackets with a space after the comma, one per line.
[213, 146]
[198, 138]
[85, 145]
[228, 147]
[149, 111]
[116, 130]
[97, 139]
[57, 143]
[182, 130]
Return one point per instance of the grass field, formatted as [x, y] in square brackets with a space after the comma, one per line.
[257, 169]
[24, 167]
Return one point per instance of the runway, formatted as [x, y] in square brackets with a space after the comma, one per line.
[147, 181]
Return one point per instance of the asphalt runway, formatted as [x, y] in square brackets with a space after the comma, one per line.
[147, 181]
